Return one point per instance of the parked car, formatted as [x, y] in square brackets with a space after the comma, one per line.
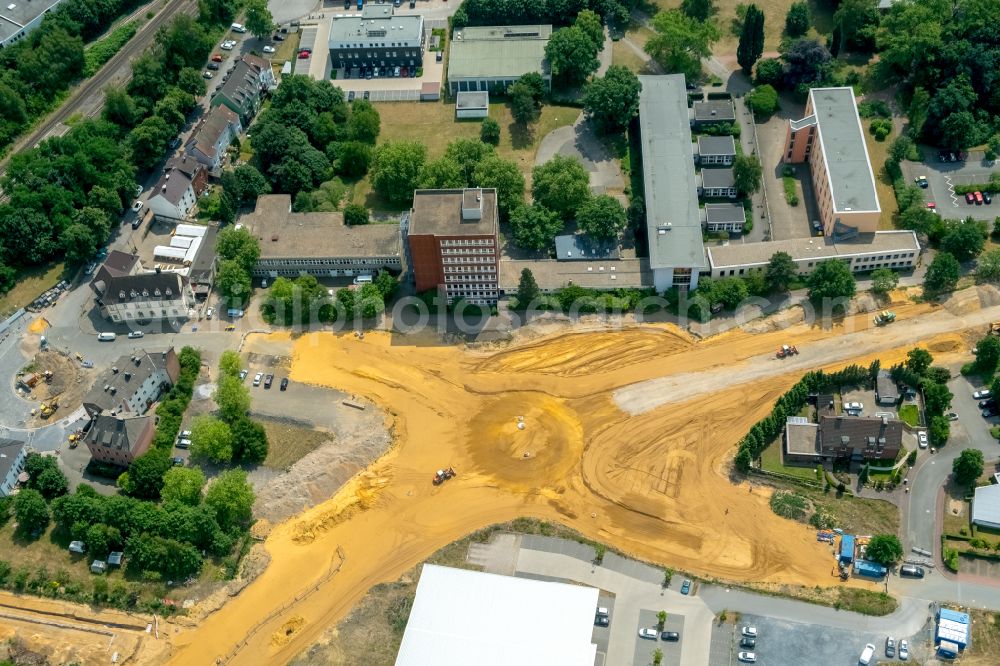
[243, 374]
[269, 49]
[405, 72]
[226, 46]
[256, 378]
[989, 412]
[216, 57]
[921, 181]
[138, 190]
[350, 96]
[866, 655]
[922, 439]
[904, 650]
[890, 647]
[750, 632]
[978, 197]
[601, 620]
[396, 71]
[135, 334]
[646, 632]
[268, 380]
[854, 406]
[951, 416]
[367, 94]
[136, 206]
[213, 66]
[279, 38]
[685, 587]
[982, 394]
[136, 222]
[183, 443]
[987, 198]
[670, 636]
[748, 642]
[910, 571]
[747, 657]
[970, 198]
[983, 404]
[284, 383]
[209, 312]
[178, 461]
[185, 434]
[303, 55]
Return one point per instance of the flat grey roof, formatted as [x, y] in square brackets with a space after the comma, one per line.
[581, 247]
[852, 181]
[714, 110]
[472, 100]
[717, 178]
[986, 505]
[592, 274]
[724, 212]
[378, 26]
[801, 437]
[755, 254]
[716, 145]
[498, 51]
[673, 222]
[439, 212]
[15, 14]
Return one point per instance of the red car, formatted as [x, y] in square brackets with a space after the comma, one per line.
[931, 205]
[303, 55]
[970, 198]
[979, 198]
[216, 58]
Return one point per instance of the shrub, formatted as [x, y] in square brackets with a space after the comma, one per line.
[788, 504]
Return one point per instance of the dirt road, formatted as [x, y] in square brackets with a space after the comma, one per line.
[653, 483]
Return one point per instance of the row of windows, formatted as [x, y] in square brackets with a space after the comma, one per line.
[716, 159]
[480, 86]
[467, 251]
[726, 226]
[371, 45]
[489, 268]
[373, 261]
[718, 192]
[883, 264]
[467, 241]
[470, 278]
[142, 314]
[368, 55]
[472, 293]
[863, 264]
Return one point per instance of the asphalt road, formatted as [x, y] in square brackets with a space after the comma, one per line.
[88, 97]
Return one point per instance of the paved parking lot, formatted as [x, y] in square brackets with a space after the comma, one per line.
[942, 177]
[645, 647]
[602, 635]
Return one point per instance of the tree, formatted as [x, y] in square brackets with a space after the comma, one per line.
[884, 549]
[612, 100]
[45, 476]
[831, 279]
[353, 158]
[590, 23]
[769, 72]
[230, 364]
[763, 100]
[101, 539]
[30, 512]
[965, 240]
[489, 132]
[747, 173]
[988, 266]
[232, 397]
[806, 61]
[238, 245]
[797, 20]
[534, 226]
[234, 283]
[939, 430]
[918, 360]
[680, 42]
[937, 398]
[386, 285]
[699, 10]
[527, 289]
[751, 45]
[148, 142]
[523, 106]
[183, 484]
[119, 107]
[572, 55]
[884, 280]
[781, 271]
[856, 20]
[661, 619]
[231, 498]
[364, 123]
[561, 185]
[601, 217]
[443, 173]
[466, 154]
[249, 441]
[942, 274]
[260, 23]
[144, 477]
[395, 170]
[506, 177]
[967, 467]
[534, 83]
[987, 355]
[355, 214]
[211, 439]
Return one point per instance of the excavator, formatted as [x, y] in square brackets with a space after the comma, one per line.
[49, 408]
[443, 475]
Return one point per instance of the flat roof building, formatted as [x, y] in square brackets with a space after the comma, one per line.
[714, 150]
[581, 247]
[454, 244]
[321, 244]
[19, 17]
[376, 38]
[544, 623]
[673, 221]
[986, 507]
[598, 274]
[830, 138]
[472, 105]
[725, 217]
[481, 58]
[712, 111]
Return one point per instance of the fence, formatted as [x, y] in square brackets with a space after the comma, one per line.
[334, 569]
[11, 320]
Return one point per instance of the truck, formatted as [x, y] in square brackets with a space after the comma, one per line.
[884, 317]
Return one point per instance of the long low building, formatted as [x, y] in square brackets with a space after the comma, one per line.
[488, 57]
[603, 275]
[898, 250]
[320, 244]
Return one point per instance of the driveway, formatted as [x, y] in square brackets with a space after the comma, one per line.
[786, 221]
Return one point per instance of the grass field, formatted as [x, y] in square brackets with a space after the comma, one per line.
[30, 283]
[909, 414]
[770, 460]
[622, 54]
[433, 124]
[878, 152]
[290, 443]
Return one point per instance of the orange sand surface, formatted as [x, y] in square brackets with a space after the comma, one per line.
[654, 484]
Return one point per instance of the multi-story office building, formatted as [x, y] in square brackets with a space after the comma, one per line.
[376, 38]
[454, 244]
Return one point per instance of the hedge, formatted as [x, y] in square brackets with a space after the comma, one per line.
[171, 410]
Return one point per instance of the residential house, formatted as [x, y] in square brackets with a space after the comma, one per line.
[212, 136]
[715, 150]
[12, 455]
[176, 192]
[133, 384]
[116, 264]
[119, 440]
[717, 184]
[250, 79]
[144, 298]
[849, 439]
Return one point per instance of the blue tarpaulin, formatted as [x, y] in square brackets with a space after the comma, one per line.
[847, 549]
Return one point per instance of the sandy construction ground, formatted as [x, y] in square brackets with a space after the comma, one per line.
[652, 480]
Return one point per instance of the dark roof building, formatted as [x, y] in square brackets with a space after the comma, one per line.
[716, 149]
[133, 383]
[116, 264]
[725, 217]
[886, 390]
[213, 135]
[242, 92]
[116, 440]
[144, 297]
[848, 438]
[713, 111]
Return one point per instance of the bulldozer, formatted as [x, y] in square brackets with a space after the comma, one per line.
[884, 317]
[786, 350]
[443, 475]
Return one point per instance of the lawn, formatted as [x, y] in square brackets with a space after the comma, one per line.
[289, 443]
[770, 460]
[910, 415]
[285, 51]
[433, 124]
[985, 641]
[30, 283]
[878, 152]
[622, 54]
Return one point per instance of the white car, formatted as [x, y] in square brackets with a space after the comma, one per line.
[227, 46]
[185, 434]
[243, 374]
[904, 650]
[646, 632]
[951, 416]
[922, 439]
[269, 49]
[750, 632]
[207, 74]
[854, 406]
[138, 190]
[256, 378]
[137, 206]
[983, 394]
[209, 312]
[135, 334]
[747, 657]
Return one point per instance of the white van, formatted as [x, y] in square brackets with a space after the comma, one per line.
[106, 337]
[867, 654]
[363, 279]
[238, 27]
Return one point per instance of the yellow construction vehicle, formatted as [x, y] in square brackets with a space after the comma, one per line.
[49, 408]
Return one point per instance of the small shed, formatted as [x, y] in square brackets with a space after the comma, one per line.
[472, 104]
[115, 558]
[77, 547]
[953, 627]
[98, 567]
[869, 569]
[886, 391]
[847, 549]
[430, 92]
